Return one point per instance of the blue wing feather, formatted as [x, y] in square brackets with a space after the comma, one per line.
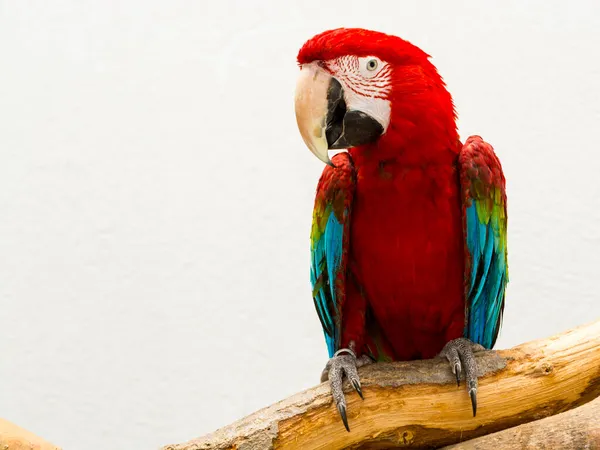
[328, 238]
[487, 280]
[334, 233]
[329, 251]
[485, 236]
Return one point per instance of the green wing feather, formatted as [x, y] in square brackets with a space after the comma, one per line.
[329, 245]
[485, 227]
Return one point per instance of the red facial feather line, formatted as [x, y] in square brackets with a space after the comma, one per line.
[347, 70]
[366, 93]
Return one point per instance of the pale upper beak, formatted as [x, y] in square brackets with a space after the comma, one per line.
[324, 121]
[311, 109]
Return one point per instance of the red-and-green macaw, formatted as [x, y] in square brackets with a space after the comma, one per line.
[408, 239]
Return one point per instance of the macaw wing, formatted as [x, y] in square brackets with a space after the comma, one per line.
[329, 245]
[484, 223]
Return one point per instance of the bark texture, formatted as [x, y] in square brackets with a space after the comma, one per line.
[13, 437]
[572, 430]
[417, 404]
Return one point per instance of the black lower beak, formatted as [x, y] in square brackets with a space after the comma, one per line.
[347, 128]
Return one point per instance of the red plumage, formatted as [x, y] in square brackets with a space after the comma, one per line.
[403, 294]
[406, 251]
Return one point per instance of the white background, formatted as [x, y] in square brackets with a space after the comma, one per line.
[156, 197]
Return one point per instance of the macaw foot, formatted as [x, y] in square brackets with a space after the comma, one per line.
[459, 353]
[344, 361]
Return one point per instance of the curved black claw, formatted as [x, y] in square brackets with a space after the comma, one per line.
[459, 353]
[457, 373]
[342, 409]
[356, 384]
[343, 364]
[473, 395]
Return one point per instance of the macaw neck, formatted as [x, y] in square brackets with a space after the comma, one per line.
[410, 145]
[429, 137]
[422, 130]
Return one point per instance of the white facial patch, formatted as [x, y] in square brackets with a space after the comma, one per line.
[367, 85]
[378, 108]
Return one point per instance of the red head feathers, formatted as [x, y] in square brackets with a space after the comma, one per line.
[391, 81]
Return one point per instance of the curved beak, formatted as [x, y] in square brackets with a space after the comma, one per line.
[324, 120]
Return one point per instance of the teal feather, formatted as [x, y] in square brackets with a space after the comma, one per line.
[485, 237]
[326, 260]
[330, 224]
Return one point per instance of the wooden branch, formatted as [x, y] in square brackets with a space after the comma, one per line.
[13, 437]
[572, 430]
[418, 404]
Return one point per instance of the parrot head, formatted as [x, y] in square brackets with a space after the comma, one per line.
[358, 88]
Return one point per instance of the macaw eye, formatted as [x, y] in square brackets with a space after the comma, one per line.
[370, 66]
